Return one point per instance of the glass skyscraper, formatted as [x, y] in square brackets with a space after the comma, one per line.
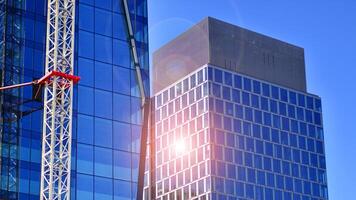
[107, 121]
[226, 131]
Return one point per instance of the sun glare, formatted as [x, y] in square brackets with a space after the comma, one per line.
[180, 146]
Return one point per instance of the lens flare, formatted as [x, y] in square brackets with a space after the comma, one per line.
[180, 146]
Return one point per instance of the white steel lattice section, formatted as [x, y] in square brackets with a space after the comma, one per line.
[57, 116]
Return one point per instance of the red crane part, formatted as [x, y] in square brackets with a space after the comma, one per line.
[44, 79]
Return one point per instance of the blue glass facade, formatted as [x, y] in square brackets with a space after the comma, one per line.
[107, 119]
[245, 139]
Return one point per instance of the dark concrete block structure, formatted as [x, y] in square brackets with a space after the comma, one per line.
[215, 42]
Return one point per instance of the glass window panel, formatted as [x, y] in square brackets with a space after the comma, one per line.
[310, 102]
[103, 104]
[85, 100]
[237, 81]
[192, 81]
[103, 162]
[273, 106]
[248, 159]
[122, 136]
[103, 188]
[121, 53]
[259, 147]
[121, 108]
[86, 44]
[246, 98]
[103, 76]
[292, 97]
[104, 4]
[256, 87]
[282, 109]
[119, 27]
[103, 132]
[229, 108]
[248, 114]
[85, 187]
[251, 175]
[136, 138]
[122, 190]
[247, 84]
[228, 78]
[264, 104]
[85, 158]
[216, 90]
[240, 189]
[238, 157]
[258, 161]
[218, 75]
[276, 121]
[291, 111]
[258, 116]
[275, 135]
[318, 105]
[103, 48]
[236, 96]
[317, 118]
[85, 129]
[285, 124]
[121, 80]
[86, 17]
[265, 90]
[266, 133]
[270, 179]
[250, 191]
[210, 73]
[301, 100]
[122, 165]
[226, 93]
[135, 163]
[309, 116]
[241, 173]
[284, 95]
[86, 71]
[303, 128]
[246, 128]
[255, 101]
[136, 110]
[275, 92]
[267, 118]
[103, 22]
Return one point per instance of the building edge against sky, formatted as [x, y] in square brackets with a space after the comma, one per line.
[247, 133]
[107, 119]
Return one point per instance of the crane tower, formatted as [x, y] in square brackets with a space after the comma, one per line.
[58, 93]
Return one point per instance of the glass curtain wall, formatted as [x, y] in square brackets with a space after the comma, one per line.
[106, 105]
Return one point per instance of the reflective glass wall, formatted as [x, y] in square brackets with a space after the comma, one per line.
[107, 104]
[261, 140]
[106, 112]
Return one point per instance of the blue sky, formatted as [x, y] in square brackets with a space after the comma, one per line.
[327, 32]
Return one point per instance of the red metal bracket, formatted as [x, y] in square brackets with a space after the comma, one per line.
[44, 79]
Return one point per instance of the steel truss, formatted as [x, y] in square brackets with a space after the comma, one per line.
[58, 94]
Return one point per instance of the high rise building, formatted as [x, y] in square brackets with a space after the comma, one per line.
[107, 121]
[233, 120]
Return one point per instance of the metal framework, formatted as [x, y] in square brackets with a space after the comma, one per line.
[58, 93]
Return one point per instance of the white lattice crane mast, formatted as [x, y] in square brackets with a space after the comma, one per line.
[58, 94]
